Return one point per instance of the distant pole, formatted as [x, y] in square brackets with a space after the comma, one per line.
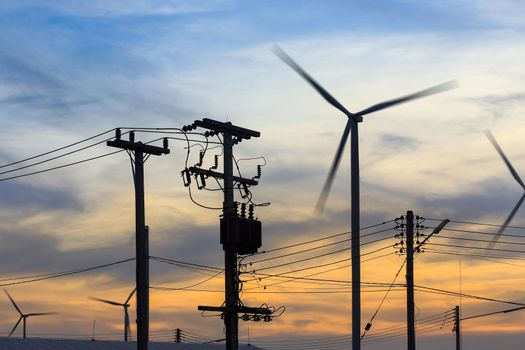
[141, 230]
[177, 335]
[231, 320]
[355, 238]
[411, 332]
[457, 328]
[25, 328]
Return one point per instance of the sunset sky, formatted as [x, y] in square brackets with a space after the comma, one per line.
[73, 69]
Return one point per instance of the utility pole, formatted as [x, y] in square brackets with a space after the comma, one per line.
[177, 335]
[238, 235]
[141, 230]
[410, 250]
[457, 328]
[411, 325]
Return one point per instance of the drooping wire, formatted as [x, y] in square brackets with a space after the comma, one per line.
[369, 324]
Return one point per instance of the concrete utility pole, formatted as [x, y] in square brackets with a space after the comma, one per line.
[232, 238]
[141, 240]
[410, 250]
[457, 328]
[411, 325]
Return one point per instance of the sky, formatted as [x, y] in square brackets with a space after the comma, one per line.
[71, 70]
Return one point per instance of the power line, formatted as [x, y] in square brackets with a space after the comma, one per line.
[47, 276]
[301, 278]
[490, 258]
[484, 233]
[325, 245]
[478, 240]
[57, 149]
[477, 223]
[478, 248]
[317, 266]
[452, 293]
[369, 324]
[327, 237]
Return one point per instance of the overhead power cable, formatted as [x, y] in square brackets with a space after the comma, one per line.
[327, 237]
[477, 223]
[369, 324]
[47, 276]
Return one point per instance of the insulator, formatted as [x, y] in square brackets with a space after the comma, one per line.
[256, 318]
[243, 210]
[117, 133]
[245, 317]
[250, 212]
[418, 250]
[222, 316]
[201, 157]
[401, 251]
[186, 178]
[236, 210]
[368, 326]
[259, 172]
[132, 136]
[215, 162]
[417, 241]
[267, 318]
[202, 183]
[165, 143]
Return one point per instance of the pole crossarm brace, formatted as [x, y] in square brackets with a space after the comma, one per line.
[217, 126]
[434, 232]
[215, 174]
[240, 309]
[138, 146]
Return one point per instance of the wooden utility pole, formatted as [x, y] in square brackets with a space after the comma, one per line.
[141, 240]
[411, 325]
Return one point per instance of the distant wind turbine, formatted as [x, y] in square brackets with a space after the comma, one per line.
[351, 125]
[515, 175]
[125, 305]
[24, 317]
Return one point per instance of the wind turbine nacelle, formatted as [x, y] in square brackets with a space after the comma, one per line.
[243, 235]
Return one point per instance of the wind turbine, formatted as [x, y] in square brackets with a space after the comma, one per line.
[24, 317]
[125, 305]
[516, 177]
[351, 126]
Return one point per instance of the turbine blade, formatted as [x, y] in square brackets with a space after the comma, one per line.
[16, 325]
[322, 91]
[12, 301]
[128, 299]
[107, 301]
[42, 313]
[423, 93]
[513, 172]
[506, 223]
[321, 202]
